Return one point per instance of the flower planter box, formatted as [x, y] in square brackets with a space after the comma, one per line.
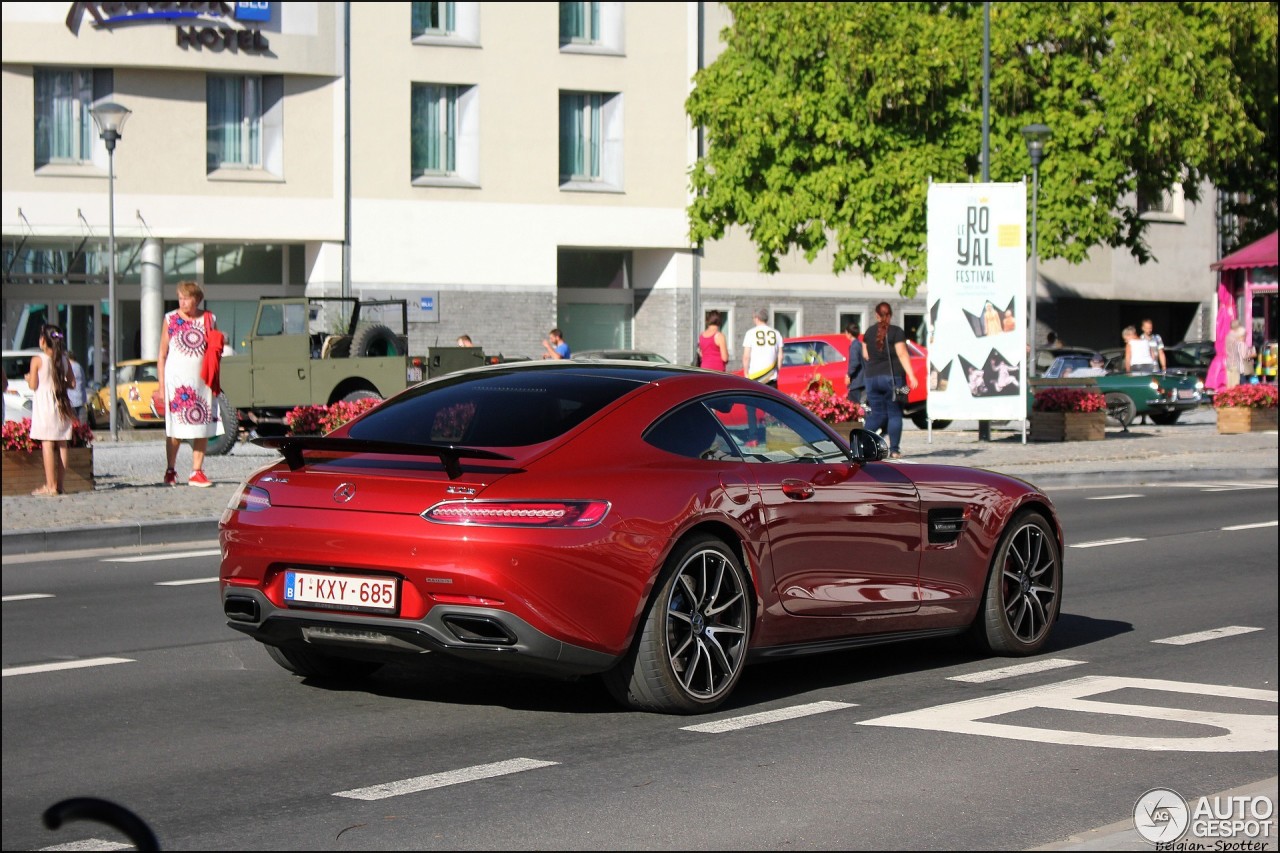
[24, 472]
[1234, 419]
[1068, 426]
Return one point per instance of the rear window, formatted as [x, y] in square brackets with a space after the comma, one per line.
[495, 410]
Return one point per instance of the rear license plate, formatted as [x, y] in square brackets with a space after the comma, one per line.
[341, 592]
[414, 374]
[1184, 394]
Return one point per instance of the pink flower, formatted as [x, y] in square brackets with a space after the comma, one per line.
[1246, 397]
[1069, 400]
[821, 398]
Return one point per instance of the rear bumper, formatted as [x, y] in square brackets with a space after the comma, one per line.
[483, 635]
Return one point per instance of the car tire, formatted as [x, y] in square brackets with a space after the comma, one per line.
[694, 635]
[1121, 409]
[374, 340]
[1165, 418]
[123, 421]
[921, 420]
[1024, 589]
[361, 394]
[221, 445]
[312, 664]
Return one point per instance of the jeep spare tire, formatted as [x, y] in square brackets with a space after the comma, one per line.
[375, 340]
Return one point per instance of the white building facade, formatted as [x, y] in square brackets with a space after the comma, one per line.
[504, 167]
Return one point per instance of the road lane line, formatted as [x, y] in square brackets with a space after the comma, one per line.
[91, 844]
[66, 664]
[441, 780]
[1016, 669]
[27, 597]
[187, 582]
[1102, 542]
[1237, 487]
[760, 719]
[1251, 526]
[168, 555]
[1113, 497]
[1202, 636]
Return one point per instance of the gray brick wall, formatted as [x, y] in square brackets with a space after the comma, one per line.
[512, 322]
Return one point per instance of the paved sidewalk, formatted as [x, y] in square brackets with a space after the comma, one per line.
[131, 507]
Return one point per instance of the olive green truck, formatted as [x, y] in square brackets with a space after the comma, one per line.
[319, 350]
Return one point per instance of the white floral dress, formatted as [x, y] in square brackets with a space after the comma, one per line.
[191, 410]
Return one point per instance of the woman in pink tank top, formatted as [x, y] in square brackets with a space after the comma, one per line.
[711, 344]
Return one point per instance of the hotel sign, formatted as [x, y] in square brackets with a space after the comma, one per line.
[198, 25]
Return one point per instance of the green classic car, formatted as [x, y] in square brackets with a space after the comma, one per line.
[1161, 396]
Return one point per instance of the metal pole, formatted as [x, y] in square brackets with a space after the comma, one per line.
[984, 427]
[111, 282]
[1035, 255]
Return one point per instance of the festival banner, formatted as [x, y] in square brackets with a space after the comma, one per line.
[977, 298]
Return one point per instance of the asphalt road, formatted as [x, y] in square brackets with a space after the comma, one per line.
[218, 748]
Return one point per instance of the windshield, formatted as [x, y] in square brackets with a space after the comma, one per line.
[493, 410]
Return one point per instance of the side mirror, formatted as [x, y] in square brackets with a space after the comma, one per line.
[868, 446]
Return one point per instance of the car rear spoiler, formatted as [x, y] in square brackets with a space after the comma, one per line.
[291, 447]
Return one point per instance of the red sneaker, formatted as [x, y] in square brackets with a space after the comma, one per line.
[170, 477]
[199, 480]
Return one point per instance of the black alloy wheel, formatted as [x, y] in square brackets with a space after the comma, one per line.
[694, 639]
[1024, 589]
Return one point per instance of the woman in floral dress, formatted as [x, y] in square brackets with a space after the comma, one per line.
[191, 410]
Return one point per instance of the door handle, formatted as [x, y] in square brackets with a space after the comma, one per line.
[302, 373]
[797, 489]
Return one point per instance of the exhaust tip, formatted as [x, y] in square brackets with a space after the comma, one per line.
[479, 630]
[240, 608]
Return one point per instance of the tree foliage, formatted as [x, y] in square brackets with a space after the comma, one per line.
[826, 121]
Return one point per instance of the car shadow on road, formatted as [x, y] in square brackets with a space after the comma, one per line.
[437, 678]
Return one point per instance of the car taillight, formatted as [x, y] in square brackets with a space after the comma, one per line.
[519, 513]
[250, 499]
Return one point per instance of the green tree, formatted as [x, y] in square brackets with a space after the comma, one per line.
[826, 121]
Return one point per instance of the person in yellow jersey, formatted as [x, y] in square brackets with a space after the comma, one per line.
[762, 351]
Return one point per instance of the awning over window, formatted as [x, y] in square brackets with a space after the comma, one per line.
[1258, 254]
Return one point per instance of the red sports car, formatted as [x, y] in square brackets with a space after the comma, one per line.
[657, 524]
[827, 355]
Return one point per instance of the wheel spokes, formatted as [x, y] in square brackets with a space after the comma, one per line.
[1030, 576]
[706, 631]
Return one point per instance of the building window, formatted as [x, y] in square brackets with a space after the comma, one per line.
[244, 126]
[64, 128]
[591, 28]
[449, 24]
[590, 140]
[234, 124]
[1166, 207]
[434, 18]
[434, 117]
[579, 23]
[444, 148]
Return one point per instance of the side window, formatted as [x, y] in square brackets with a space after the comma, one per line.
[827, 354]
[148, 373]
[295, 319]
[270, 320]
[691, 432]
[765, 430]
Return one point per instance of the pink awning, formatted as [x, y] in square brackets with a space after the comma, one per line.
[1258, 254]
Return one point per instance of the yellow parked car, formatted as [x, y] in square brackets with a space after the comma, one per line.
[136, 379]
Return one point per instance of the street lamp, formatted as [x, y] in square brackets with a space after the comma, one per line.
[1035, 134]
[109, 118]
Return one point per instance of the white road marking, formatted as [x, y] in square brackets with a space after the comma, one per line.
[167, 555]
[91, 844]
[1251, 526]
[441, 780]
[1202, 636]
[1237, 487]
[66, 664]
[1113, 497]
[1101, 542]
[187, 582]
[1239, 732]
[30, 596]
[760, 719]
[1016, 669]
